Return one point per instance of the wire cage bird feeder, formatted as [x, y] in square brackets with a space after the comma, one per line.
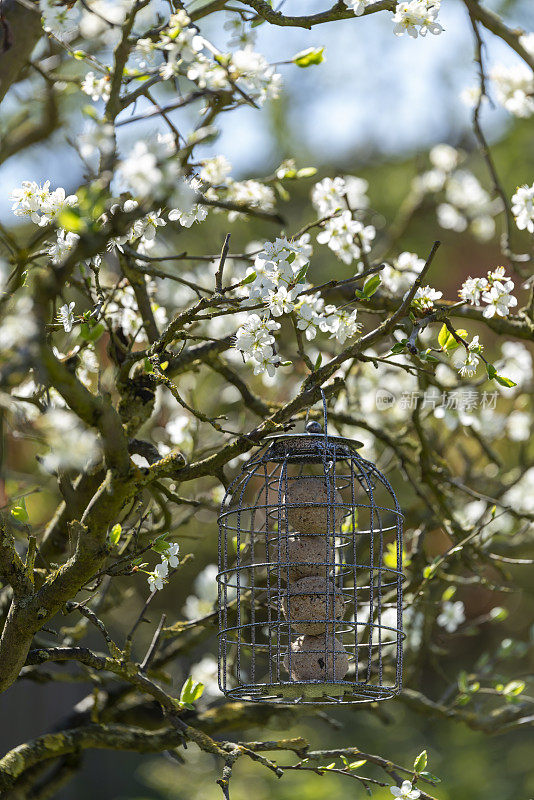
[310, 575]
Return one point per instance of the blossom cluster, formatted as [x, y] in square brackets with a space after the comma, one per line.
[495, 291]
[523, 208]
[338, 199]
[467, 205]
[276, 282]
[159, 575]
[190, 55]
[39, 204]
[414, 17]
[514, 84]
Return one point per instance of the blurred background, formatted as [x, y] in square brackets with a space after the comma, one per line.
[373, 109]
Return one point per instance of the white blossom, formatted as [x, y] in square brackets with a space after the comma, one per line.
[149, 169]
[40, 204]
[417, 17]
[341, 323]
[519, 426]
[18, 325]
[254, 75]
[96, 88]
[64, 243]
[255, 340]
[523, 207]
[241, 34]
[517, 361]
[157, 579]
[359, 6]
[444, 157]
[251, 194]
[452, 615]
[406, 791]
[215, 170]
[170, 556]
[424, 298]
[346, 237]
[309, 312]
[472, 289]
[400, 276]
[186, 218]
[327, 195]
[514, 88]
[450, 218]
[98, 137]
[499, 299]
[471, 359]
[66, 316]
[520, 496]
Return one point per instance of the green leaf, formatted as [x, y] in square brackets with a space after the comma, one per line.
[249, 279]
[91, 332]
[443, 336]
[301, 274]
[371, 285]
[490, 369]
[504, 381]
[447, 341]
[420, 762]
[309, 57]
[399, 347]
[318, 361]
[115, 533]
[160, 545]
[429, 777]
[429, 571]
[357, 764]
[191, 691]
[19, 512]
[514, 688]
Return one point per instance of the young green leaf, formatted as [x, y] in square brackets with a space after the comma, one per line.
[490, 369]
[191, 691]
[309, 57]
[443, 336]
[371, 285]
[504, 381]
[301, 274]
[249, 279]
[19, 512]
[91, 332]
[514, 688]
[429, 777]
[115, 534]
[420, 762]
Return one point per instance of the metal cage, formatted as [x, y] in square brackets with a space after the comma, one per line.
[310, 575]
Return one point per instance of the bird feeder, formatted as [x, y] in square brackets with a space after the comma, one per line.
[310, 575]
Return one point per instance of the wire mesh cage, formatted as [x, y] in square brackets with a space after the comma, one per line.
[310, 575]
